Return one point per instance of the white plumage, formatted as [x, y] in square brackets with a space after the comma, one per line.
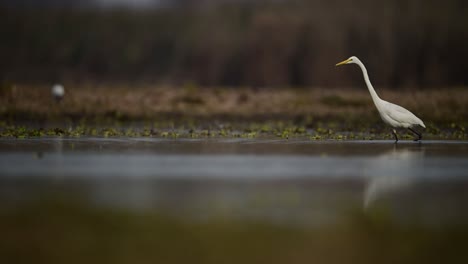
[58, 92]
[392, 114]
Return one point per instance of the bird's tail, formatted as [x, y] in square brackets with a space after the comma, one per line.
[421, 123]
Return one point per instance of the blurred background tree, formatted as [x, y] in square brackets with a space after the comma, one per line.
[262, 43]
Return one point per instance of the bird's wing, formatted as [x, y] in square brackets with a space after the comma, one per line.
[401, 115]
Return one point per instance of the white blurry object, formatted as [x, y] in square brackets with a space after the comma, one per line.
[58, 92]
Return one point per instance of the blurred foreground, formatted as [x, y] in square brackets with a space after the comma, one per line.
[57, 230]
[232, 201]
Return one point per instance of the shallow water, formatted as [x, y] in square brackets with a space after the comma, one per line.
[292, 182]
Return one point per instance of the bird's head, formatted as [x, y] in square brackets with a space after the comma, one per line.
[352, 59]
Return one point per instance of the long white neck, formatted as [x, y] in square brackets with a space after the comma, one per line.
[372, 92]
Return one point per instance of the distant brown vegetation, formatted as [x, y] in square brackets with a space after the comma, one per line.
[417, 43]
[32, 103]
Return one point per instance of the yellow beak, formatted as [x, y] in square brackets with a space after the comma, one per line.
[343, 62]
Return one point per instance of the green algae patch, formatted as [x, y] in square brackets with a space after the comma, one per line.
[243, 129]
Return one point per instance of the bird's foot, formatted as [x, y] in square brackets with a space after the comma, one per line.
[418, 136]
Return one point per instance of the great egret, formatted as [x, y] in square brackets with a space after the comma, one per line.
[392, 114]
[58, 92]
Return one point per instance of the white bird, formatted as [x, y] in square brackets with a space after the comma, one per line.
[392, 114]
[58, 92]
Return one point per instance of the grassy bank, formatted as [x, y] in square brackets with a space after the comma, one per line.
[191, 111]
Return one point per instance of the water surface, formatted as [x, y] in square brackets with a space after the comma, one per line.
[284, 181]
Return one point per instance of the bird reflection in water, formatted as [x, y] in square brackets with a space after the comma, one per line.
[398, 163]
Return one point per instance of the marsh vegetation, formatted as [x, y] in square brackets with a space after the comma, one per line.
[191, 111]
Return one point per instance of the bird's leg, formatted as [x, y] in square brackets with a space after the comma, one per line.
[395, 135]
[418, 134]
